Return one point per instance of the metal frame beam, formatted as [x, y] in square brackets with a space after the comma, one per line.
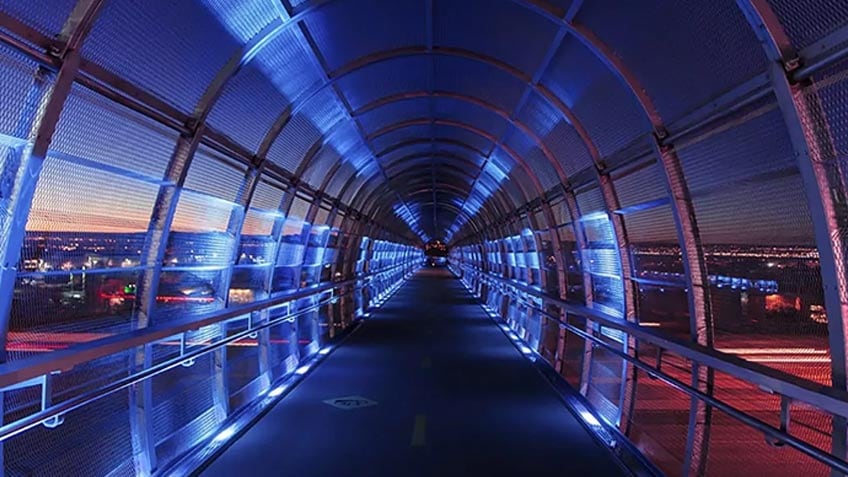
[816, 152]
[515, 157]
[25, 166]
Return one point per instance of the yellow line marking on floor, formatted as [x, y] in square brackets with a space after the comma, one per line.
[419, 431]
[426, 363]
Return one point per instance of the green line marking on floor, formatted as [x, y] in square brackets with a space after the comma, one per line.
[419, 431]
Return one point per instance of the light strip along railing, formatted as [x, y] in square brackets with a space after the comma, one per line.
[788, 387]
[16, 373]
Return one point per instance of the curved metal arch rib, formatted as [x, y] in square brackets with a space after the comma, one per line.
[517, 159]
[483, 216]
[511, 153]
[501, 207]
[503, 114]
[502, 203]
[454, 169]
[445, 157]
[383, 56]
[379, 57]
[522, 190]
[437, 140]
[372, 203]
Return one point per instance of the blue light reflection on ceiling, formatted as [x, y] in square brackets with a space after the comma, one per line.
[245, 19]
[492, 175]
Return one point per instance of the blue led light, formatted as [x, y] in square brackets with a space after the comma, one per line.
[225, 435]
[303, 369]
[496, 172]
[278, 391]
[590, 419]
[243, 19]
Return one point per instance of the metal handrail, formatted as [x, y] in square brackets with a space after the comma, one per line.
[64, 360]
[606, 320]
[833, 401]
[33, 420]
[701, 356]
[765, 428]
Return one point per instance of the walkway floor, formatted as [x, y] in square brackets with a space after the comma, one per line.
[454, 398]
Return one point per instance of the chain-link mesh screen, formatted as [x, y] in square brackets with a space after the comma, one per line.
[200, 248]
[604, 389]
[48, 21]
[556, 133]
[20, 94]
[400, 137]
[549, 343]
[216, 176]
[653, 35]
[806, 21]
[394, 112]
[574, 353]
[243, 367]
[100, 432]
[724, 458]
[187, 406]
[345, 31]
[305, 129]
[151, 45]
[458, 75]
[572, 262]
[473, 25]
[763, 266]
[257, 247]
[279, 74]
[96, 129]
[200, 213]
[342, 176]
[659, 421]
[80, 256]
[607, 110]
[463, 136]
[463, 112]
[267, 196]
[383, 79]
[535, 158]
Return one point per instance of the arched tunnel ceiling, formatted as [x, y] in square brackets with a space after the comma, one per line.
[433, 115]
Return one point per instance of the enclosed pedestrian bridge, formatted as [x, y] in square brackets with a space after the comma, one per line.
[423, 237]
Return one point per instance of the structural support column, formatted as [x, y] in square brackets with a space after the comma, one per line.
[164, 209]
[20, 174]
[688, 236]
[700, 307]
[818, 162]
